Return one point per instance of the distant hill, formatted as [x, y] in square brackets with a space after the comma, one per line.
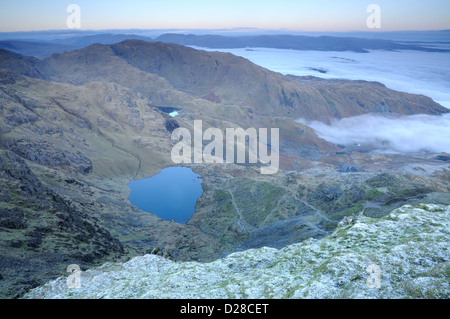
[36, 49]
[109, 38]
[294, 42]
[42, 49]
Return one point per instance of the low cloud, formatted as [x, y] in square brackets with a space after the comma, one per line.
[389, 134]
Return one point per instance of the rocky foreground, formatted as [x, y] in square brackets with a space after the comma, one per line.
[410, 247]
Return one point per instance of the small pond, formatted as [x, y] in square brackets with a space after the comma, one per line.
[171, 194]
[172, 111]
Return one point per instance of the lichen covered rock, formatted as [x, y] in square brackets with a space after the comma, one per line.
[403, 255]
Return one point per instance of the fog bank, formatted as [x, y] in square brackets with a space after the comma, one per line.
[388, 134]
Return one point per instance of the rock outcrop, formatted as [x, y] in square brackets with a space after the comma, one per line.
[403, 255]
[41, 231]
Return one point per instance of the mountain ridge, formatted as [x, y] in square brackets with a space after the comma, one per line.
[226, 77]
[45, 47]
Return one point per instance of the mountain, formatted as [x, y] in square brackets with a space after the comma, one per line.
[338, 266]
[77, 127]
[230, 80]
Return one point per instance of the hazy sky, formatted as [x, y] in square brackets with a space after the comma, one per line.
[316, 15]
